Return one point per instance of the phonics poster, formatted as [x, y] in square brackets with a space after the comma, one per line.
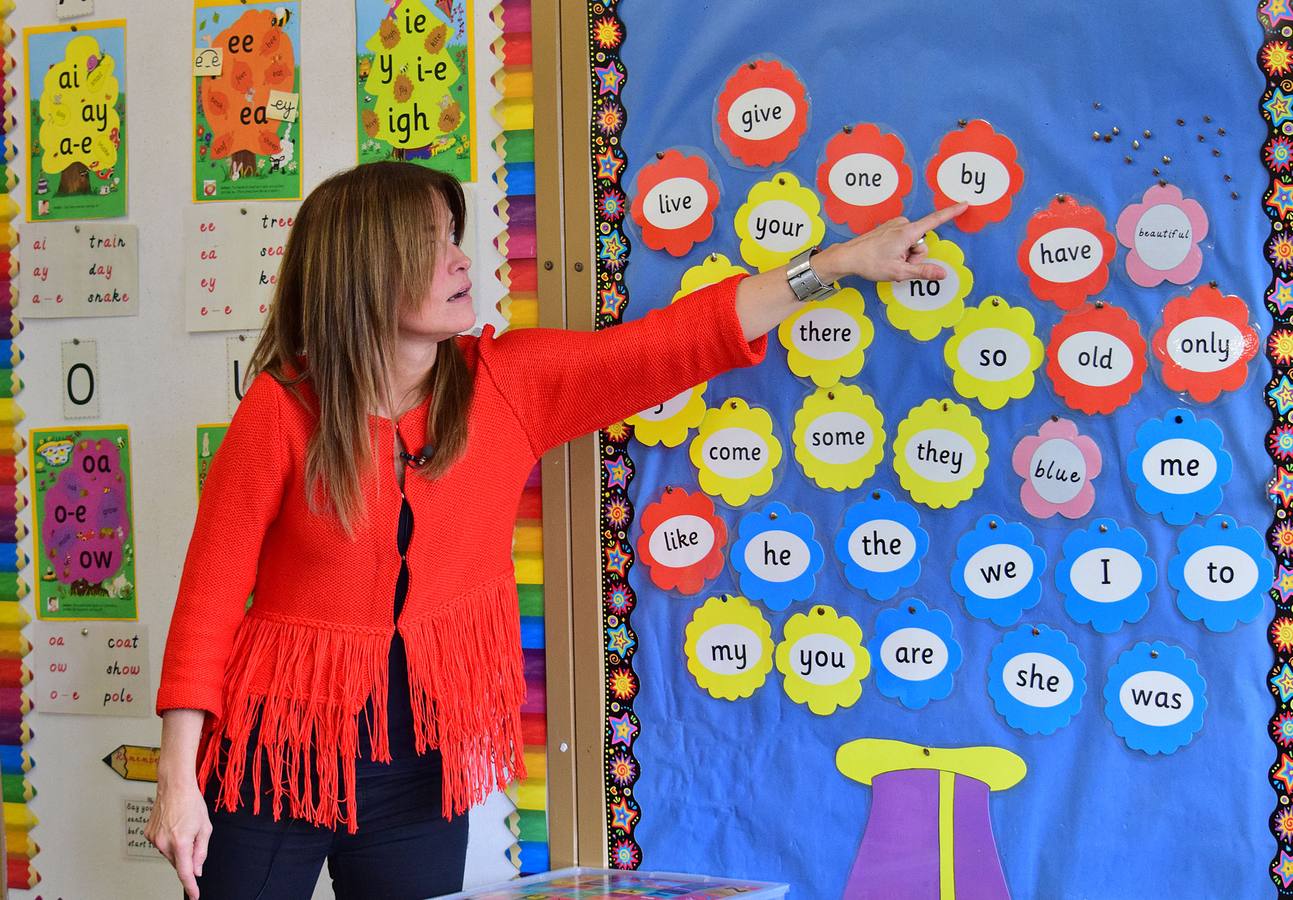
[94, 670]
[76, 122]
[414, 83]
[209, 439]
[246, 100]
[74, 270]
[966, 590]
[231, 257]
[85, 540]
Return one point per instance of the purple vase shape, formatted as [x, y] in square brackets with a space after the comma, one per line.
[929, 835]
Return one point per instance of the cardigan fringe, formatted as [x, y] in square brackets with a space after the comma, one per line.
[467, 684]
[295, 690]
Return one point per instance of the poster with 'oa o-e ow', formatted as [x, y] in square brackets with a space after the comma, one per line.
[85, 540]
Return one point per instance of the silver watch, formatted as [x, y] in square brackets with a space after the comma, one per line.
[804, 281]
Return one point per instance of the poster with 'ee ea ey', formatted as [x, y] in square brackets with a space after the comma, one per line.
[246, 100]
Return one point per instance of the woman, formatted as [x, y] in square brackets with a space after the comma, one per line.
[366, 492]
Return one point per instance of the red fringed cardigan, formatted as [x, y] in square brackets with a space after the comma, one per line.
[312, 651]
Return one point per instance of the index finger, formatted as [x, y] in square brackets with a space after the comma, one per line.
[184, 868]
[938, 217]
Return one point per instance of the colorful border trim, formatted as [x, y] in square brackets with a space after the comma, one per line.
[518, 244]
[515, 147]
[15, 762]
[608, 74]
[1275, 59]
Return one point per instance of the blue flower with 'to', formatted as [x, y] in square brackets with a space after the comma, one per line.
[1221, 573]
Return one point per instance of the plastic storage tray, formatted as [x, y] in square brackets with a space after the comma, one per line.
[612, 884]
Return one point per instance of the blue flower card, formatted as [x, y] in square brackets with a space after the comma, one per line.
[998, 570]
[1221, 573]
[776, 556]
[915, 654]
[1179, 467]
[1105, 576]
[1155, 698]
[881, 545]
[1036, 679]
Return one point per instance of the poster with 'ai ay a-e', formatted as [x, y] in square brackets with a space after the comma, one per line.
[76, 121]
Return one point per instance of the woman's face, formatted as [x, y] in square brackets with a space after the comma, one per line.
[446, 310]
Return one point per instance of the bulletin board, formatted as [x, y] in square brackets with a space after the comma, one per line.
[78, 788]
[816, 671]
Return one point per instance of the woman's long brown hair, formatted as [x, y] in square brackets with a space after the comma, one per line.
[363, 247]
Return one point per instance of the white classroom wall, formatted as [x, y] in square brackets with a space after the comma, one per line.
[162, 381]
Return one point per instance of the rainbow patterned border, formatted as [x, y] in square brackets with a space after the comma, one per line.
[608, 74]
[518, 245]
[515, 146]
[15, 704]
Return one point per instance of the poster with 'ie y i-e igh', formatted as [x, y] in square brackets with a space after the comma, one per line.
[246, 100]
[414, 83]
[76, 121]
[85, 540]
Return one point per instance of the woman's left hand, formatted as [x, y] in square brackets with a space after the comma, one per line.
[893, 251]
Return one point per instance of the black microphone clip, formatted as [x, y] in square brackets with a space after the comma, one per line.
[418, 461]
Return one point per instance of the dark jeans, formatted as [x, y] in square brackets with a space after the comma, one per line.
[403, 849]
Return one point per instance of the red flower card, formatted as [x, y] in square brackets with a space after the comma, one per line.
[1067, 252]
[976, 165]
[675, 202]
[1096, 358]
[762, 113]
[1205, 343]
[682, 541]
[864, 177]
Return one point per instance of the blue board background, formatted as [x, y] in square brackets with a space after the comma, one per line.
[749, 788]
